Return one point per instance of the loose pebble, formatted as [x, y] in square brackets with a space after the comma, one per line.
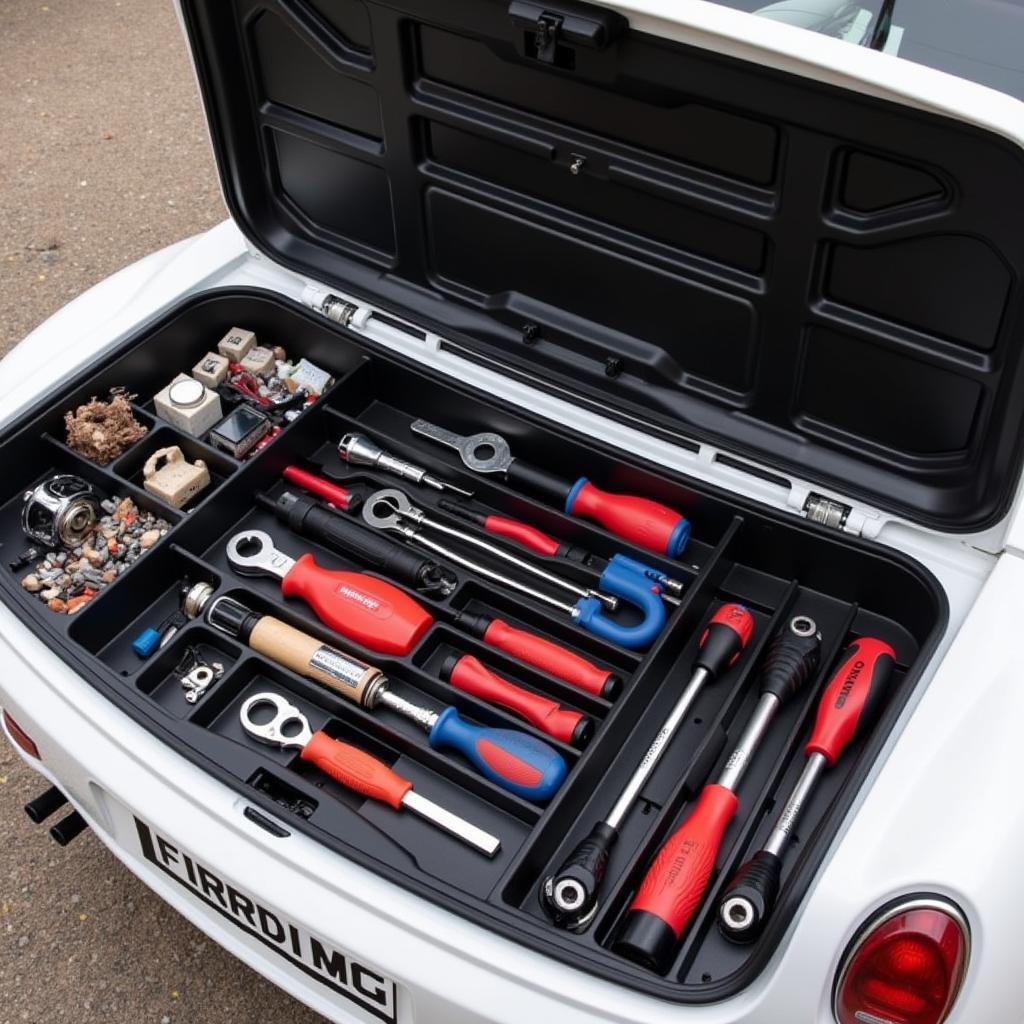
[68, 581]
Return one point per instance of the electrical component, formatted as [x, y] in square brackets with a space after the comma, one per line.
[240, 431]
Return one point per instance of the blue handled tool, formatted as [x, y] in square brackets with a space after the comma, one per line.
[638, 590]
[514, 760]
[391, 509]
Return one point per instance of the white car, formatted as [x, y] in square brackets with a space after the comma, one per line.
[762, 273]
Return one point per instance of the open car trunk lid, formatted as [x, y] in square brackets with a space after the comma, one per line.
[816, 281]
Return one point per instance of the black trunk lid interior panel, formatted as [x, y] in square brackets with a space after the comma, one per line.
[824, 282]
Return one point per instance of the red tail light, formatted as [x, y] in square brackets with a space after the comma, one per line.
[21, 737]
[906, 967]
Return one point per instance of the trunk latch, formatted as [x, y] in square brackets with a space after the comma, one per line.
[553, 30]
[546, 37]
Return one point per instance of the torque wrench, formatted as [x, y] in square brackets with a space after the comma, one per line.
[359, 450]
[850, 703]
[334, 494]
[543, 544]
[390, 509]
[305, 517]
[468, 674]
[570, 894]
[363, 608]
[516, 761]
[354, 768]
[640, 520]
[675, 883]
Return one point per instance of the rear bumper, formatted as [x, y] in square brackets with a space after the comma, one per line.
[446, 970]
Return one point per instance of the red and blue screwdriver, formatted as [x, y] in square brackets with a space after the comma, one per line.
[516, 761]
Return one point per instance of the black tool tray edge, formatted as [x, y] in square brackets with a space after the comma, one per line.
[772, 563]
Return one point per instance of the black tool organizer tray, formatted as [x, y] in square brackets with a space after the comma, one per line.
[777, 566]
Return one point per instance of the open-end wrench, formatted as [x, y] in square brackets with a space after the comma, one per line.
[353, 768]
[402, 507]
[389, 510]
[640, 520]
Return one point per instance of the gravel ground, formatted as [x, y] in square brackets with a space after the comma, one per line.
[103, 158]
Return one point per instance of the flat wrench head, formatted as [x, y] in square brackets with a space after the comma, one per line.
[485, 452]
[390, 509]
[252, 553]
[280, 729]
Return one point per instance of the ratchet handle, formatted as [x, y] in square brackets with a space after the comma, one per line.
[370, 611]
[468, 674]
[339, 496]
[516, 761]
[853, 698]
[375, 549]
[551, 658]
[639, 520]
[356, 770]
[675, 883]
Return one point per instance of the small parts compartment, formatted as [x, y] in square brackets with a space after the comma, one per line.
[366, 636]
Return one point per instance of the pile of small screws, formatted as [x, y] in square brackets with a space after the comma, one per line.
[68, 580]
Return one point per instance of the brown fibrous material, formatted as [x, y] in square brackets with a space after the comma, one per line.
[101, 431]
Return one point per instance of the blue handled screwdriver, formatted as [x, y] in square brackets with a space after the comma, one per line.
[514, 760]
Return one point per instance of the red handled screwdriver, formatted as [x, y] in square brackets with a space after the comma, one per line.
[352, 768]
[852, 700]
[334, 494]
[640, 520]
[470, 675]
[570, 894]
[675, 883]
[542, 543]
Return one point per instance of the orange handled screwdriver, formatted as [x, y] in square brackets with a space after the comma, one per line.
[851, 701]
[674, 886]
[353, 768]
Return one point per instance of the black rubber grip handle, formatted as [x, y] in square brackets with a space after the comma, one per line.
[553, 488]
[585, 867]
[378, 552]
[749, 898]
[791, 659]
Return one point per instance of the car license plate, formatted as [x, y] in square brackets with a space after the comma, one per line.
[339, 971]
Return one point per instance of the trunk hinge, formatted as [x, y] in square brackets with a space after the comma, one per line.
[341, 310]
[833, 514]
